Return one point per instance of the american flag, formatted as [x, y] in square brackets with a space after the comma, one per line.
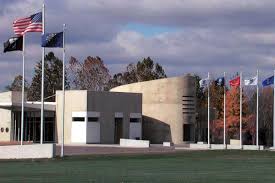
[32, 23]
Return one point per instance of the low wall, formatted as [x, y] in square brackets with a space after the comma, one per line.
[33, 151]
[218, 146]
[253, 147]
[199, 146]
[228, 146]
[134, 143]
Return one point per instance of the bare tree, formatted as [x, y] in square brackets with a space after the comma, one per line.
[16, 85]
[92, 74]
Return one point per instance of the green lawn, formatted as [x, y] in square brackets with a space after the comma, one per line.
[189, 167]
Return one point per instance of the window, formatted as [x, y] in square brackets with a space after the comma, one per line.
[49, 119]
[134, 120]
[79, 119]
[2, 130]
[7, 130]
[92, 119]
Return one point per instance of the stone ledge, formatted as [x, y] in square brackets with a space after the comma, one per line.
[34, 151]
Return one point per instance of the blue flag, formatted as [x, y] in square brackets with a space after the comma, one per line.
[52, 40]
[220, 81]
[268, 81]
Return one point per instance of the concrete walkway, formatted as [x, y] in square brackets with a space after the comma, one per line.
[97, 149]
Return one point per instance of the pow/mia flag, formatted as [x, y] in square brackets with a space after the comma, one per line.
[251, 81]
[52, 40]
[14, 44]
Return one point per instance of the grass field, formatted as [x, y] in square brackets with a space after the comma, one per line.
[189, 167]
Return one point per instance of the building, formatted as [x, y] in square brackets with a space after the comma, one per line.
[99, 117]
[159, 110]
[168, 108]
[90, 117]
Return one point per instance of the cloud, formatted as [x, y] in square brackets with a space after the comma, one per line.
[213, 35]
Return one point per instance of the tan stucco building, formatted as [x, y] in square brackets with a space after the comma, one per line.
[99, 117]
[159, 110]
[90, 117]
[168, 108]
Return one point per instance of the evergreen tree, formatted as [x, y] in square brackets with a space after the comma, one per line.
[52, 79]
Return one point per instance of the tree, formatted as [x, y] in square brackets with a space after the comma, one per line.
[92, 74]
[233, 119]
[16, 85]
[265, 115]
[144, 70]
[52, 78]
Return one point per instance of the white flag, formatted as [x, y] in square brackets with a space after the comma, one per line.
[203, 83]
[251, 81]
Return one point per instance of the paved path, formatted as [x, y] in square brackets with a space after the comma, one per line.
[111, 150]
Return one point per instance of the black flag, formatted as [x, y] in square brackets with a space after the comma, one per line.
[14, 44]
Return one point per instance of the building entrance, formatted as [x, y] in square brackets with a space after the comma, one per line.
[32, 126]
[118, 130]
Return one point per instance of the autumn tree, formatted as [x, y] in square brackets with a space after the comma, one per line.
[233, 118]
[92, 74]
[52, 78]
[16, 85]
[144, 70]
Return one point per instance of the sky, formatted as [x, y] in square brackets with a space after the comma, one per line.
[184, 36]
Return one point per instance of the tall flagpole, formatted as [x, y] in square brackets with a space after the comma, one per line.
[224, 111]
[257, 118]
[23, 92]
[42, 80]
[274, 110]
[208, 110]
[241, 125]
[63, 91]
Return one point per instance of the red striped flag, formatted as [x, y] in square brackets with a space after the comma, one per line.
[32, 23]
[235, 82]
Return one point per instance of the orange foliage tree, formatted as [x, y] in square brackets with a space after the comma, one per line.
[233, 119]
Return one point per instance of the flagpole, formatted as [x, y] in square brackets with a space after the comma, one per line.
[23, 91]
[42, 80]
[63, 91]
[208, 111]
[274, 110]
[257, 118]
[224, 111]
[241, 143]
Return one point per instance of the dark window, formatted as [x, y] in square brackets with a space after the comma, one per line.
[7, 130]
[134, 120]
[188, 104]
[188, 108]
[78, 119]
[49, 119]
[188, 112]
[2, 130]
[92, 119]
[188, 100]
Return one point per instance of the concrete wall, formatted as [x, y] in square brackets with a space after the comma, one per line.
[6, 127]
[164, 108]
[75, 101]
[109, 103]
[27, 151]
[106, 104]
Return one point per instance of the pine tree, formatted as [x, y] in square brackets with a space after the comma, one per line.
[52, 79]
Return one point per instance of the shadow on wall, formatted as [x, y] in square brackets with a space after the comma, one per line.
[155, 131]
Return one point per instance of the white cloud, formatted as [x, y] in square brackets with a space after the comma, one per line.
[213, 35]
